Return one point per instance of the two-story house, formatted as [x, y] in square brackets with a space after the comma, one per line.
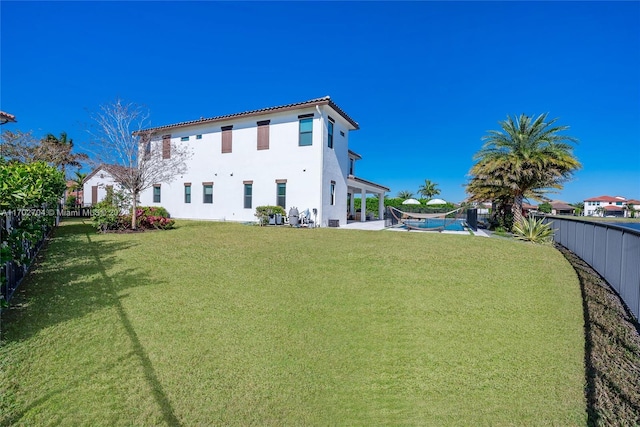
[294, 155]
[604, 206]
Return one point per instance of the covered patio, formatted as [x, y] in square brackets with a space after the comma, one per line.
[363, 187]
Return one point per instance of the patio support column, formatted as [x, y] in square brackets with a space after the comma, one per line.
[380, 205]
[363, 206]
[352, 205]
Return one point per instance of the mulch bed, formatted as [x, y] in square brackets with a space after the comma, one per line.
[612, 351]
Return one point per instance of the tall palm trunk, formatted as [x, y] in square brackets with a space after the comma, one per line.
[516, 209]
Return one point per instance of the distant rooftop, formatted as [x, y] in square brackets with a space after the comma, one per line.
[606, 199]
[6, 118]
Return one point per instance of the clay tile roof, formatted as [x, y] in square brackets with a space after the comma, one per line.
[6, 117]
[612, 208]
[313, 102]
[606, 199]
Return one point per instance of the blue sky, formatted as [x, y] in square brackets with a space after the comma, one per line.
[425, 80]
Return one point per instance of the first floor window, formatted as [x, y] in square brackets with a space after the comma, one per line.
[333, 192]
[207, 193]
[187, 193]
[248, 192]
[156, 194]
[281, 199]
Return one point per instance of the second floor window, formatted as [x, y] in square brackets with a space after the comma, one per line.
[330, 133]
[306, 131]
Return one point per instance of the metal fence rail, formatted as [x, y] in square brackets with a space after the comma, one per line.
[612, 250]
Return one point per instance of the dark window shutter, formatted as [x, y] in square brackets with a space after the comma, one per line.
[226, 139]
[166, 147]
[263, 135]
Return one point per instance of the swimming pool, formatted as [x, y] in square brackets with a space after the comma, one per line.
[449, 224]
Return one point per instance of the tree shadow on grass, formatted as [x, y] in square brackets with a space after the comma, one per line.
[75, 275]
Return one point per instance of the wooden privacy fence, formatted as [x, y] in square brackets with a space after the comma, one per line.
[612, 250]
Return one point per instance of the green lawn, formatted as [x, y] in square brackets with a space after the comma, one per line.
[227, 324]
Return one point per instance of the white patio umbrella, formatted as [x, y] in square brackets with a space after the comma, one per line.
[436, 202]
[411, 202]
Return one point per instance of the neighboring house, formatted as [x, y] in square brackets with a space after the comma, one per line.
[77, 193]
[6, 118]
[604, 206]
[96, 184]
[558, 207]
[294, 155]
[633, 208]
[528, 208]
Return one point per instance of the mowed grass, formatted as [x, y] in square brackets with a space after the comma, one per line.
[227, 324]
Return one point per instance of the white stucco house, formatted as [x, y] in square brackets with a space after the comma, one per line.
[94, 187]
[604, 206]
[294, 155]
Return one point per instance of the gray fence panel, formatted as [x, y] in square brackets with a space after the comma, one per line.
[571, 233]
[630, 291]
[599, 249]
[613, 251]
[613, 258]
[579, 241]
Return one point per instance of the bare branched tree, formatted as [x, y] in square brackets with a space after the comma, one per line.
[144, 158]
[19, 146]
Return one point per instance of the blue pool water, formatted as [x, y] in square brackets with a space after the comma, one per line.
[632, 225]
[448, 223]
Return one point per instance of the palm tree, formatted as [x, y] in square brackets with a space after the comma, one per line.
[429, 189]
[526, 158]
[630, 209]
[58, 151]
[405, 194]
[78, 182]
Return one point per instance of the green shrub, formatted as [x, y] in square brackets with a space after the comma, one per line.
[545, 207]
[263, 212]
[70, 203]
[106, 216]
[152, 217]
[533, 230]
[154, 211]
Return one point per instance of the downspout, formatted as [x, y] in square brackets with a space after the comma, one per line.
[321, 207]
